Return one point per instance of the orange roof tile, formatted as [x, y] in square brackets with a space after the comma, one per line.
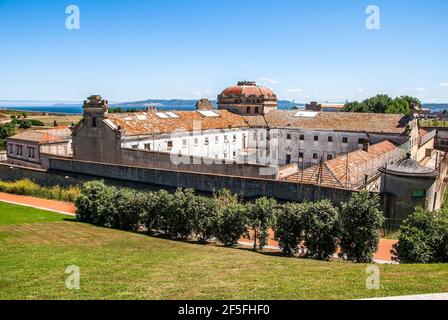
[141, 123]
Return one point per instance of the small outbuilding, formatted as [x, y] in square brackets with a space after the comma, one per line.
[405, 185]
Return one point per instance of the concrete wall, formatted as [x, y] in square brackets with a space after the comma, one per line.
[160, 160]
[207, 183]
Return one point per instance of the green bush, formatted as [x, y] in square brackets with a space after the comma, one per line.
[231, 222]
[321, 230]
[289, 227]
[360, 221]
[260, 217]
[204, 218]
[423, 238]
[150, 210]
[93, 203]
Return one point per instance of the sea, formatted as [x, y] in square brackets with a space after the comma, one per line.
[77, 109]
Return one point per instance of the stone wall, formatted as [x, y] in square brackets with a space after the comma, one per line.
[205, 183]
[161, 160]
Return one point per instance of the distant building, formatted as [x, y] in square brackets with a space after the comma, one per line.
[327, 107]
[247, 98]
[29, 147]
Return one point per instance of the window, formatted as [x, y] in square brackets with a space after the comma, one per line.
[216, 139]
[169, 145]
[288, 136]
[315, 156]
[330, 139]
[344, 140]
[225, 139]
[302, 137]
[196, 142]
[261, 136]
[11, 148]
[288, 159]
[248, 110]
[234, 138]
[31, 153]
[256, 109]
[184, 143]
[18, 150]
[225, 155]
[148, 146]
[206, 141]
[301, 155]
[329, 157]
[135, 146]
[234, 154]
[316, 138]
[362, 141]
[93, 121]
[255, 136]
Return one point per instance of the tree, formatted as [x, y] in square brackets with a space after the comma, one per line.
[204, 218]
[92, 202]
[382, 103]
[260, 216]
[361, 220]
[321, 230]
[423, 237]
[289, 227]
[231, 222]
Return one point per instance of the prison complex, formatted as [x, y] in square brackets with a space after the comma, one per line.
[248, 144]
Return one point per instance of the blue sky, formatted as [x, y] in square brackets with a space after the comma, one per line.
[304, 50]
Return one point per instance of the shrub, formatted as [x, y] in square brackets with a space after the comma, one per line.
[289, 227]
[181, 216]
[150, 210]
[93, 202]
[423, 238]
[360, 221]
[230, 219]
[260, 216]
[204, 218]
[29, 188]
[164, 202]
[124, 211]
[320, 223]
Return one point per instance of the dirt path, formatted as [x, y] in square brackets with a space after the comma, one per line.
[45, 204]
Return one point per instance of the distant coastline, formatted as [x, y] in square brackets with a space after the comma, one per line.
[179, 105]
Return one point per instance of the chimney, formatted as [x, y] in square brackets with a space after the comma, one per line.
[204, 104]
[366, 145]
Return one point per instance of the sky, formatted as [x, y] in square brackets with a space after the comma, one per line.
[189, 49]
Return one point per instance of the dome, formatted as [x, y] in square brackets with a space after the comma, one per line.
[409, 167]
[248, 89]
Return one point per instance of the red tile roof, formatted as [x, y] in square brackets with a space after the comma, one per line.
[340, 121]
[142, 123]
[347, 169]
[44, 136]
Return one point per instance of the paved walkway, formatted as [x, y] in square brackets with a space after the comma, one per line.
[44, 204]
[383, 254]
[435, 296]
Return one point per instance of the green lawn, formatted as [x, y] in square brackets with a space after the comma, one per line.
[36, 248]
[12, 214]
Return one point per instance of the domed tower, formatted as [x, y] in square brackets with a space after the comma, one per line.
[247, 98]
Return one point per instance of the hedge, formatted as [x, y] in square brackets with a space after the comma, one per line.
[311, 230]
[28, 188]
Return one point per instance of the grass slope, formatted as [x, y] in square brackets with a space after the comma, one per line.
[36, 250]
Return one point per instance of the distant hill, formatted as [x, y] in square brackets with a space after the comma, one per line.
[179, 104]
[435, 106]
